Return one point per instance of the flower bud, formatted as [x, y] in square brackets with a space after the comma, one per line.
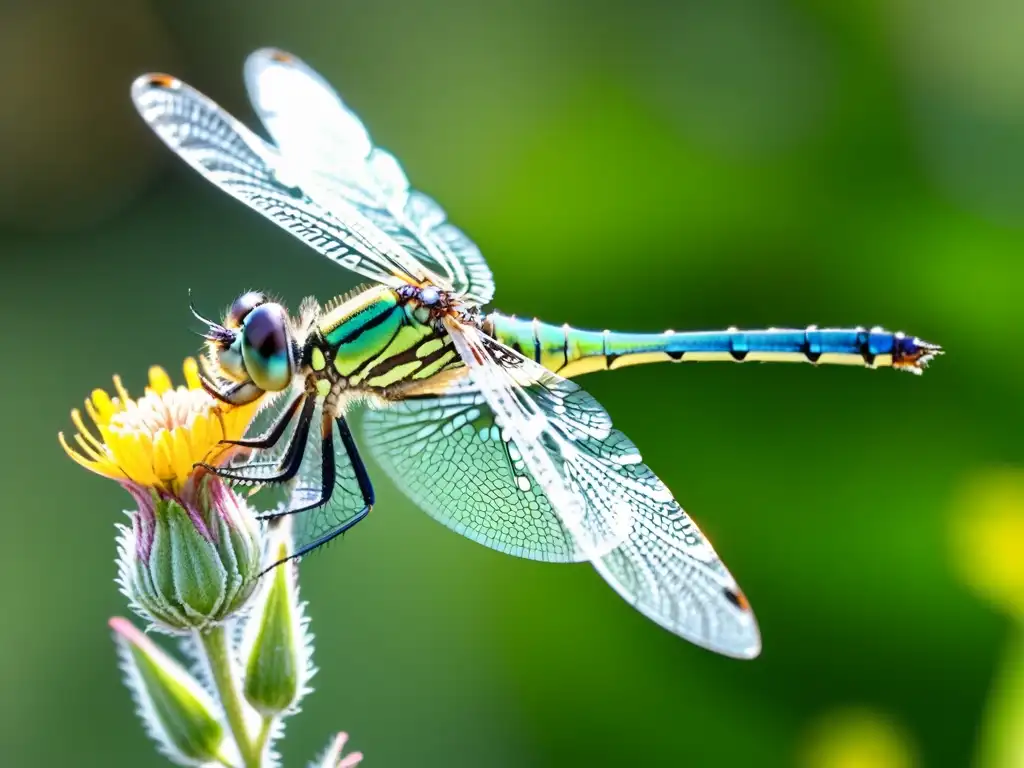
[177, 712]
[190, 561]
[276, 645]
[331, 758]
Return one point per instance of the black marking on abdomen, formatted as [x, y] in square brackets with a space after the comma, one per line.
[609, 357]
[864, 346]
[810, 351]
[739, 353]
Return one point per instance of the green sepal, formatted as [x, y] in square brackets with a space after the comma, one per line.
[187, 565]
[177, 712]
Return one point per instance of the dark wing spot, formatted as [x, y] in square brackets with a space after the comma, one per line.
[737, 598]
[163, 81]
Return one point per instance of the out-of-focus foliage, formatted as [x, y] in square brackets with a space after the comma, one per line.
[633, 165]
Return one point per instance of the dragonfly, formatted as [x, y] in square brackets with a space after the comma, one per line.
[474, 415]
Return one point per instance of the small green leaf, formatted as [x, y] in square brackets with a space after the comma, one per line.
[177, 712]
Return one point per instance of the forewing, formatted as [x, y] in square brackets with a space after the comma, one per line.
[450, 457]
[664, 566]
[332, 152]
[239, 162]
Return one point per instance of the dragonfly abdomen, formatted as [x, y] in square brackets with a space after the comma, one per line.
[571, 352]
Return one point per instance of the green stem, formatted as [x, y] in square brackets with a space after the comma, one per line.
[215, 645]
[1002, 738]
[261, 740]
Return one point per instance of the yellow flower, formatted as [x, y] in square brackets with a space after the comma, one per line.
[857, 738]
[988, 536]
[155, 441]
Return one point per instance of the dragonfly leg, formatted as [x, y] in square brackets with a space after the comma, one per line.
[327, 488]
[276, 431]
[290, 462]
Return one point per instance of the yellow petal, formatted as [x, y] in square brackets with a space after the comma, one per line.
[140, 456]
[76, 419]
[88, 450]
[159, 381]
[181, 455]
[100, 468]
[122, 393]
[191, 369]
[197, 434]
[105, 408]
[163, 465]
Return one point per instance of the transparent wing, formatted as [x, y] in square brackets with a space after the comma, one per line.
[450, 457]
[664, 567]
[332, 152]
[345, 502]
[239, 162]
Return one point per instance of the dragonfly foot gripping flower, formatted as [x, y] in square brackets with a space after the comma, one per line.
[190, 563]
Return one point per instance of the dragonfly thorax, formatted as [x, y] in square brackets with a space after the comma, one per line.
[381, 337]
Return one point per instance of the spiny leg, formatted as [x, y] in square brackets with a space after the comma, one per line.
[327, 488]
[328, 474]
[290, 462]
[276, 431]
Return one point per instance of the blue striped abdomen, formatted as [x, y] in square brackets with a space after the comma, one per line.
[570, 352]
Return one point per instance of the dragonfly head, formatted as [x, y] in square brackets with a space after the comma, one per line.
[255, 343]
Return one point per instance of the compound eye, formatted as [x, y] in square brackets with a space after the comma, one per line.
[242, 306]
[430, 295]
[267, 349]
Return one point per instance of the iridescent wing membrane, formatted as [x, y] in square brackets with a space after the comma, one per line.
[447, 453]
[334, 158]
[664, 566]
[512, 456]
[235, 159]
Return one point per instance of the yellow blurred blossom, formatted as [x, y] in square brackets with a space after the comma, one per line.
[988, 537]
[857, 738]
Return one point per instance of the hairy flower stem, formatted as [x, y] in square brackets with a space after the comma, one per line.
[215, 646]
[265, 729]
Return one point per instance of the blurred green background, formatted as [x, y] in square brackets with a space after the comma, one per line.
[633, 165]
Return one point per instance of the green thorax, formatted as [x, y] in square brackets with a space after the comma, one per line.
[375, 339]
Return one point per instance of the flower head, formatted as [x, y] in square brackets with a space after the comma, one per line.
[154, 441]
[191, 556]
